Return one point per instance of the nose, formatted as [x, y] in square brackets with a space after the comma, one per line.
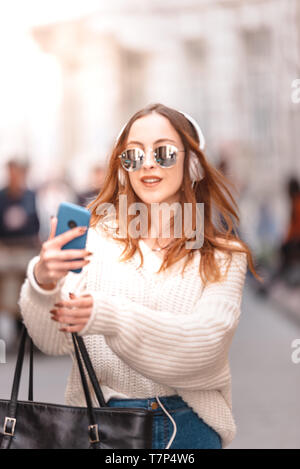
[149, 161]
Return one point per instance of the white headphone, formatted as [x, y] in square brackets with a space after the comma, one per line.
[195, 168]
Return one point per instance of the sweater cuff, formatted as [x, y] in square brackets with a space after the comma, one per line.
[33, 282]
[104, 316]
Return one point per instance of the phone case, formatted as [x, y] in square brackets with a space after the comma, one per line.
[69, 216]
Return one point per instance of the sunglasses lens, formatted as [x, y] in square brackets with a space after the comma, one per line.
[166, 155]
[132, 159]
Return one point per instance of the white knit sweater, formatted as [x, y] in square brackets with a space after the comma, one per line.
[149, 334]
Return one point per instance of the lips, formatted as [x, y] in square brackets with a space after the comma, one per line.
[150, 182]
[147, 178]
[150, 185]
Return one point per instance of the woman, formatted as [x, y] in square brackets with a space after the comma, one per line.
[158, 335]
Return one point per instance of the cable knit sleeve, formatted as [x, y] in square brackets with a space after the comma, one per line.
[184, 351]
[35, 304]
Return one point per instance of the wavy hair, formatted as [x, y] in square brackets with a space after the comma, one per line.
[220, 208]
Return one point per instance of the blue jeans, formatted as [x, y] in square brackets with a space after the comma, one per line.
[192, 431]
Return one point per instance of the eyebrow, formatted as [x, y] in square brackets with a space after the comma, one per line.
[160, 140]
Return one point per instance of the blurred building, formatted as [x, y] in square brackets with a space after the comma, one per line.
[229, 63]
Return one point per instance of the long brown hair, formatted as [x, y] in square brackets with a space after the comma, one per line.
[212, 190]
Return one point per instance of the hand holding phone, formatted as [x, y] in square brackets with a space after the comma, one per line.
[64, 250]
[69, 216]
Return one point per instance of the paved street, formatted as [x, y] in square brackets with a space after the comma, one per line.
[266, 383]
[50, 378]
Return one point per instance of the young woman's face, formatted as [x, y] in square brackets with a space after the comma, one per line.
[148, 133]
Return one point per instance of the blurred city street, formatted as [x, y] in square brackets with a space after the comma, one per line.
[265, 381]
[264, 378]
[50, 377]
[72, 75]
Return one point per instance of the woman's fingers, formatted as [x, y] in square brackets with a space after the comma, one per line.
[72, 254]
[67, 236]
[65, 313]
[66, 266]
[53, 225]
[81, 302]
[74, 312]
[56, 262]
[70, 319]
[75, 321]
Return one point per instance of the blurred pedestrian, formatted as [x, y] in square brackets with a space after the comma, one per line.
[293, 232]
[19, 221]
[289, 250]
[19, 239]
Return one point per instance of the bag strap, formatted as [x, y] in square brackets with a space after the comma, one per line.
[93, 427]
[87, 362]
[17, 375]
[90, 370]
[10, 419]
[30, 386]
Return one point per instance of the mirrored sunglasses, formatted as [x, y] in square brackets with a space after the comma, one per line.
[133, 159]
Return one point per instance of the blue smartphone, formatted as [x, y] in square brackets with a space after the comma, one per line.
[69, 216]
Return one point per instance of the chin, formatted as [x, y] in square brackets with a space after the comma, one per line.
[148, 197]
[160, 200]
[152, 201]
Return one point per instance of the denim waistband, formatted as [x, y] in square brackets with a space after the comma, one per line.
[169, 402]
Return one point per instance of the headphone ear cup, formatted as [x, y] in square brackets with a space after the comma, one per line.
[121, 177]
[197, 128]
[196, 170]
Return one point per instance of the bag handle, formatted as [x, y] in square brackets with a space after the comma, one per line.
[10, 420]
[87, 362]
[90, 369]
[93, 427]
[30, 386]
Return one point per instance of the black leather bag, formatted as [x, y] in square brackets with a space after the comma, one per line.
[37, 425]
